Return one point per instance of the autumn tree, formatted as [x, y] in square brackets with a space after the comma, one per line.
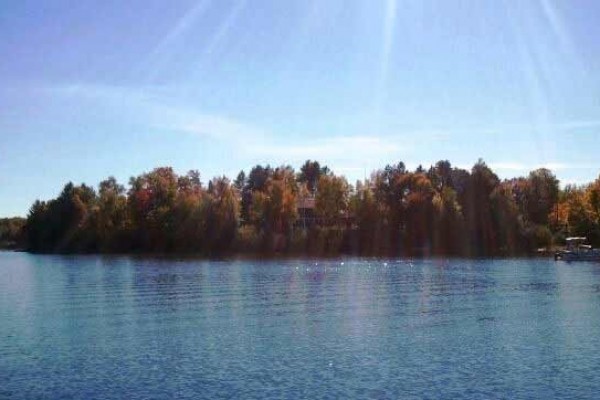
[477, 208]
[331, 200]
[152, 196]
[223, 215]
[419, 212]
[365, 209]
[110, 215]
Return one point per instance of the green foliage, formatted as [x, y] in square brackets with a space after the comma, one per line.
[440, 210]
[478, 210]
[368, 220]
[448, 231]
[222, 221]
[331, 200]
[540, 195]
[581, 220]
[11, 232]
[248, 240]
[273, 209]
[507, 226]
[327, 240]
[310, 174]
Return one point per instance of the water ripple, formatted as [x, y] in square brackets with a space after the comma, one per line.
[95, 327]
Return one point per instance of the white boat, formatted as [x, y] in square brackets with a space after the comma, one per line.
[577, 249]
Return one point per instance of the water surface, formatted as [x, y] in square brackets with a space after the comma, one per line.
[87, 327]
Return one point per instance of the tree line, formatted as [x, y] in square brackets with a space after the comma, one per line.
[11, 232]
[441, 210]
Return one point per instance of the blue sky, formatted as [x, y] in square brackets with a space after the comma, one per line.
[92, 89]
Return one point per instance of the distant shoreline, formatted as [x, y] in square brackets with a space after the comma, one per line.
[280, 256]
[438, 211]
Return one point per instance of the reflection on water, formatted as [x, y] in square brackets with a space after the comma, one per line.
[96, 327]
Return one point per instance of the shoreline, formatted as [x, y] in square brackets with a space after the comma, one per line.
[282, 257]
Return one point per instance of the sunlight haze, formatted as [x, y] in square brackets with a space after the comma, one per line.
[92, 89]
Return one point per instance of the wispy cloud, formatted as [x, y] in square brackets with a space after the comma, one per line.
[332, 147]
[553, 166]
[555, 126]
[577, 124]
[219, 127]
[160, 109]
[155, 108]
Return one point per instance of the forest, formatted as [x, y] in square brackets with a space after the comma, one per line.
[11, 232]
[440, 210]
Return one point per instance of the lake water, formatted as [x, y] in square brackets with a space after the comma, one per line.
[101, 327]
